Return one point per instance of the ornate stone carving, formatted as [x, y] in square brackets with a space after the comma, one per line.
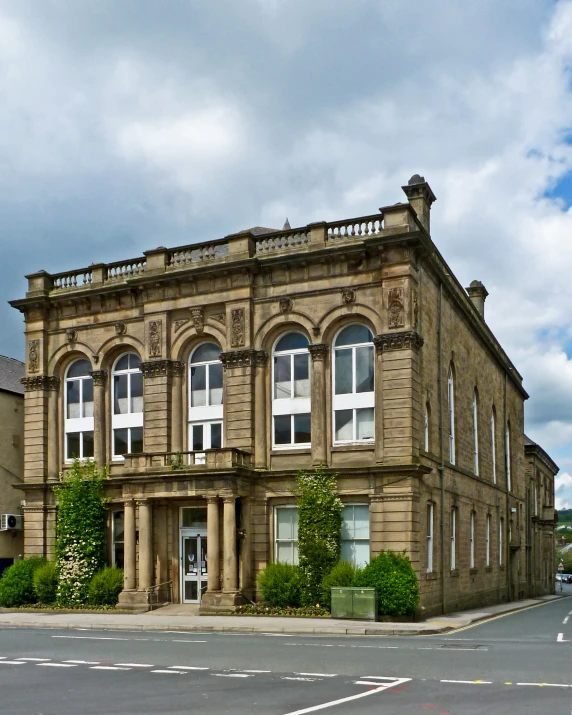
[99, 377]
[237, 328]
[40, 382]
[219, 317]
[395, 307]
[198, 316]
[348, 295]
[161, 368]
[285, 305]
[154, 338]
[177, 367]
[405, 340]
[415, 311]
[239, 358]
[319, 351]
[178, 324]
[260, 358]
[120, 328]
[33, 356]
[71, 335]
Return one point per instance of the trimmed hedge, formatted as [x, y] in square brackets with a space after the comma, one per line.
[46, 583]
[397, 587]
[343, 574]
[17, 583]
[279, 585]
[105, 587]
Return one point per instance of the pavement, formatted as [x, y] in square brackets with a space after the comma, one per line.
[185, 619]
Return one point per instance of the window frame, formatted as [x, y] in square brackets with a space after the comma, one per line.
[494, 445]
[501, 540]
[427, 416]
[356, 540]
[451, 413]
[508, 458]
[290, 406]
[293, 541]
[488, 541]
[127, 420]
[78, 425]
[208, 415]
[430, 536]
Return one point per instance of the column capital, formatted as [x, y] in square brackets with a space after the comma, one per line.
[161, 368]
[177, 368]
[43, 383]
[99, 377]
[402, 340]
[229, 498]
[213, 499]
[319, 351]
[260, 358]
[142, 502]
[239, 358]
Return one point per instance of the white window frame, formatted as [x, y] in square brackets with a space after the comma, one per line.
[494, 446]
[352, 400]
[501, 538]
[129, 420]
[475, 432]
[291, 406]
[293, 541]
[430, 510]
[451, 408]
[203, 415]
[356, 540]
[77, 425]
[453, 538]
[488, 541]
[472, 541]
[426, 428]
[507, 457]
[114, 541]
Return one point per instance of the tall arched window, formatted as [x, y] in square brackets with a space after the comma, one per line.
[353, 399]
[451, 407]
[79, 411]
[127, 398]
[507, 448]
[205, 398]
[291, 392]
[475, 432]
[494, 445]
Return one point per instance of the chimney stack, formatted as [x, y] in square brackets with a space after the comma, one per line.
[420, 197]
[478, 294]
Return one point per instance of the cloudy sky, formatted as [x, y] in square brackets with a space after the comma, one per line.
[128, 124]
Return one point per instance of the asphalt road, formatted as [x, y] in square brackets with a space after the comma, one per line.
[518, 663]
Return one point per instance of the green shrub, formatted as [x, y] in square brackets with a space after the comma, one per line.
[46, 583]
[397, 587]
[105, 587]
[17, 583]
[343, 574]
[279, 585]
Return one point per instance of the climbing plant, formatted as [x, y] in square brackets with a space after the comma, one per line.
[319, 530]
[80, 532]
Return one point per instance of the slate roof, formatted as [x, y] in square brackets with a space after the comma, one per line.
[531, 447]
[11, 371]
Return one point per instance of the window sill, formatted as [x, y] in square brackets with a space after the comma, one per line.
[473, 571]
[431, 576]
[489, 569]
[275, 451]
[353, 447]
[454, 573]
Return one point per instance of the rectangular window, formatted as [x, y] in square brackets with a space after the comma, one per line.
[79, 445]
[127, 440]
[354, 425]
[301, 375]
[282, 377]
[199, 386]
[494, 448]
[286, 534]
[117, 528]
[216, 436]
[430, 537]
[488, 541]
[501, 537]
[507, 448]
[355, 534]
[343, 383]
[472, 541]
[453, 538]
[364, 369]
[290, 430]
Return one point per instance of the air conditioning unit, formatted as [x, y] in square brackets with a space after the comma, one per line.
[10, 522]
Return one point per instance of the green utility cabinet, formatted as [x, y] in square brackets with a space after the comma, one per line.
[360, 603]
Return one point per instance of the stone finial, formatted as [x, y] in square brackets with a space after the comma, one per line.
[478, 294]
[286, 226]
[420, 197]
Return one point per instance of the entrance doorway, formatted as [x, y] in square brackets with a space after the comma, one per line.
[194, 566]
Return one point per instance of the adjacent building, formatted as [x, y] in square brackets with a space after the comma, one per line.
[206, 375]
[11, 459]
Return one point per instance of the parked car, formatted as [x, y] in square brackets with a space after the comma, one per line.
[564, 577]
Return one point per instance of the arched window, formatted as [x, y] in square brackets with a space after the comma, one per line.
[507, 448]
[451, 407]
[494, 445]
[205, 398]
[79, 411]
[127, 398]
[291, 391]
[426, 418]
[475, 432]
[353, 399]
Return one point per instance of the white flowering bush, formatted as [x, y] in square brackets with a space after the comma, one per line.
[80, 534]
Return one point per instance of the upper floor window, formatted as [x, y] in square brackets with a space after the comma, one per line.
[78, 398]
[507, 447]
[127, 397]
[475, 432]
[494, 446]
[355, 534]
[205, 398]
[451, 407]
[353, 399]
[291, 391]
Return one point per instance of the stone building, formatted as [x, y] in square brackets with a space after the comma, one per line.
[11, 459]
[206, 375]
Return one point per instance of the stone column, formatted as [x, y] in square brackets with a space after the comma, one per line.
[129, 545]
[53, 384]
[177, 420]
[160, 531]
[213, 544]
[260, 409]
[145, 544]
[229, 545]
[319, 428]
[99, 421]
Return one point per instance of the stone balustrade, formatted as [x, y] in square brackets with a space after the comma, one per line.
[211, 459]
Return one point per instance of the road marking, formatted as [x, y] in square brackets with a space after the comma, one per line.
[243, 670]
[306, 680]
[99, 638]
[565, 621]
[108, 667]
[319, 675]
[547, 685]
[188, 667]
[136, 665]
[367, 682]
[171, 672]
[83, 662]
[232, 675]
[560, 638]
[57, 665]
[365, 694]
[39, 660]
[469, 682]
[12, 662]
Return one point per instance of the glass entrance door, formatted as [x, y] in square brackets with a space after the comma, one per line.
[193, 567]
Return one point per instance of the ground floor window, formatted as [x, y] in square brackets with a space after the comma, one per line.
[286, 534]
[117, 538]
[355, 534]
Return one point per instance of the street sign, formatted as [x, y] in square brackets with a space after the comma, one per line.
[560, 567]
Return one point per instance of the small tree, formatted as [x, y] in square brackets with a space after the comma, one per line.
[80, 533]
[319, 530]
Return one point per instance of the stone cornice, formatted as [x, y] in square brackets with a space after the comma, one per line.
[403, 340]
[243, 358]
[161, 368]
[319, 351]
[40, 383]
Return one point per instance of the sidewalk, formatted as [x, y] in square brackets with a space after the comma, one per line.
[175, 618]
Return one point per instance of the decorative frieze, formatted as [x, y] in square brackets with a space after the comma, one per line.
[395, 308]
[40, 383]
[162, 368]
[405, 340]
[154, 338]
[319, 351]
[33, 356]
[219, 317]
[99, 377]
[237, 328]
[243, 358]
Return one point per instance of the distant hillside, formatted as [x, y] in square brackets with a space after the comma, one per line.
[564, 515]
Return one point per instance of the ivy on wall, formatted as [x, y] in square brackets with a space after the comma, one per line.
[319, 530]
[80, 531]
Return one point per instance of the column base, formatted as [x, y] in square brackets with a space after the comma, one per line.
[133, 601]
[220, 602]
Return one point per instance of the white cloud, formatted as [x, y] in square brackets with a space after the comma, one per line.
[563, 491]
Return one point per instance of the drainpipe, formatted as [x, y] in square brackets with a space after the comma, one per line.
[441, 445]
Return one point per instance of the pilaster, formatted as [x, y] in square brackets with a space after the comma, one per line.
[319, 353]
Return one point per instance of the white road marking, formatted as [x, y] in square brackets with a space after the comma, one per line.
[188, 667]
[12, 662]
[560, 638]
[277, 635]
[172, 672]
[319, 675]
[243, 670]
[57, 665]
[396, 683]
[547, 685]
[136, 665]
[232, 675]
[565, 621]
[379, 677]
[83, 662]
[307, 680]
[469, 682]
[39, 660]
[99, 638]
[107, 667]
